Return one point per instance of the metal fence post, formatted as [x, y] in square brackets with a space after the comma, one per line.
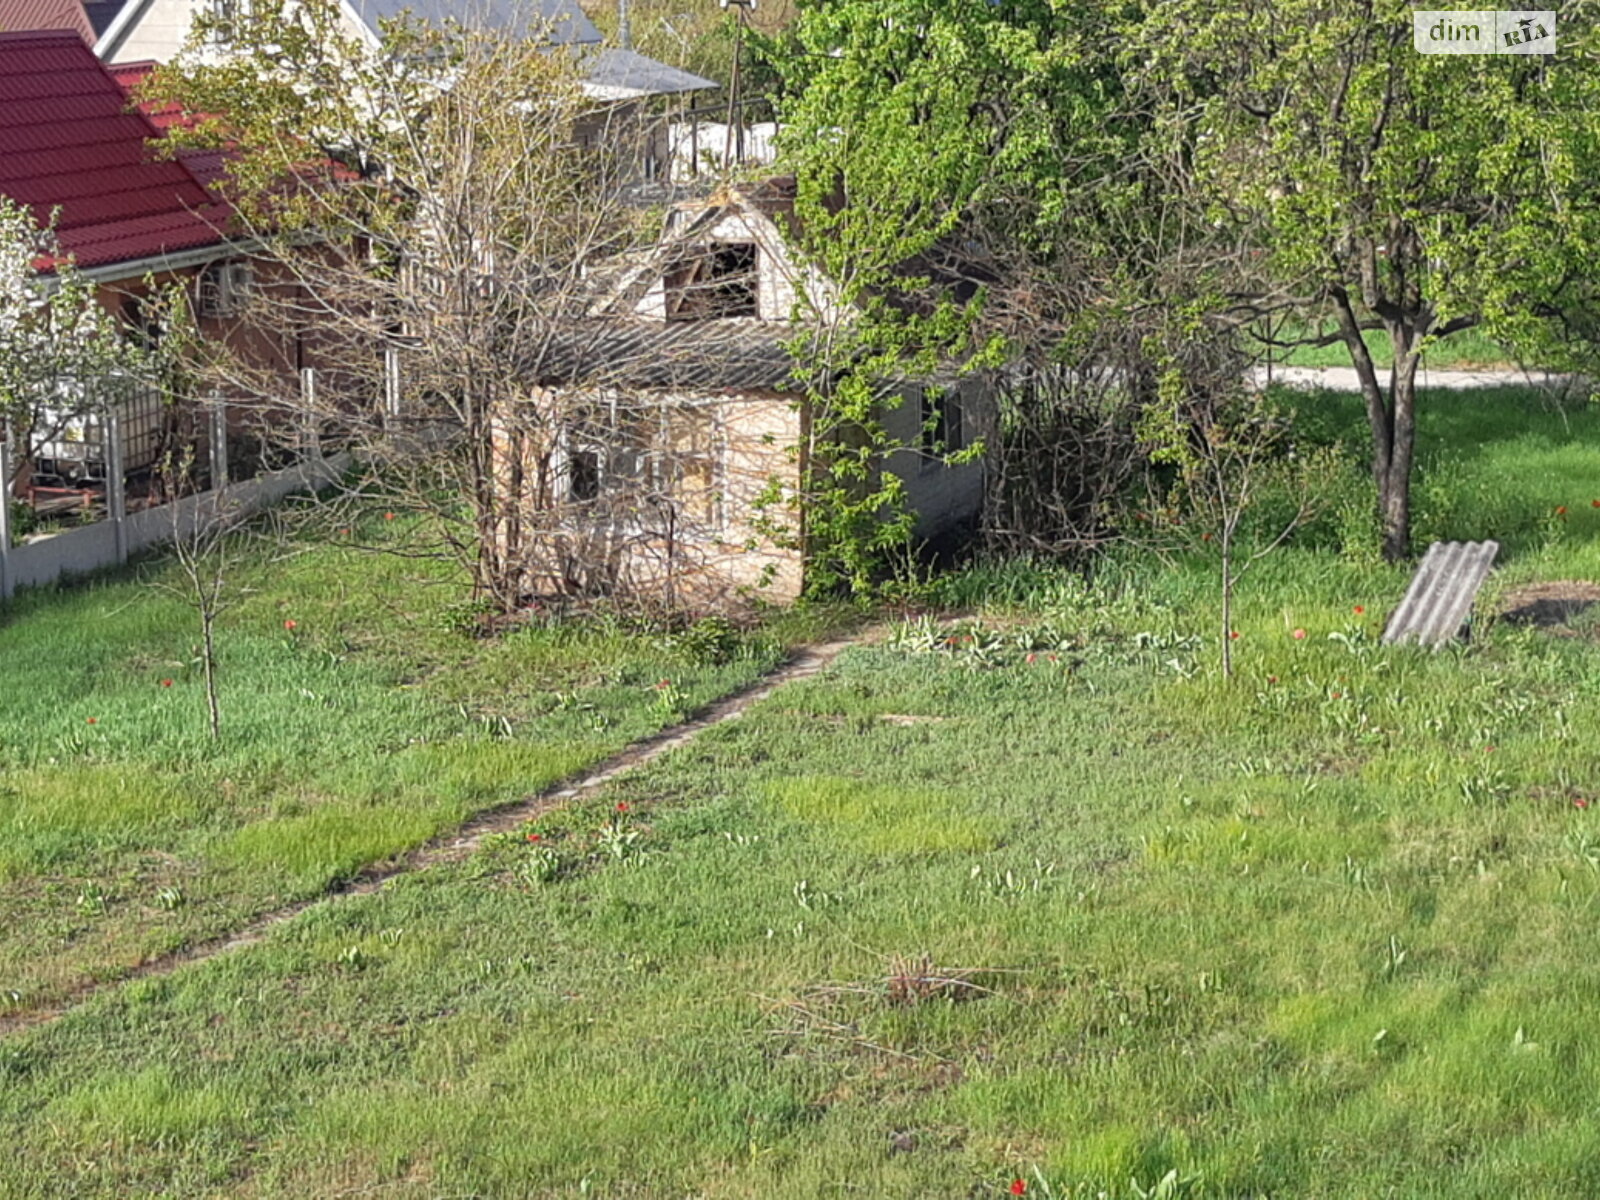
[7, 450]
[219, 441]
[308, 402]
[116, 495]
[391, 385]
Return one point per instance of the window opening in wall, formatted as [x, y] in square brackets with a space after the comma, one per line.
[224, 289]
[227, 14]
[647, 459]
[719, 283]
[941, 425]
[583, 475]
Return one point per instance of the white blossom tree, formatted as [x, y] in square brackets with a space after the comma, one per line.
[59, 346]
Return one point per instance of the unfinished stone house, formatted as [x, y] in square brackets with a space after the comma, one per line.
[662, 443]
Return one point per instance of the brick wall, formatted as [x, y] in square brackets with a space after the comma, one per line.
[700, 544]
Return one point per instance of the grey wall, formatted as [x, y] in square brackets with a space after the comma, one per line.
[93, 547]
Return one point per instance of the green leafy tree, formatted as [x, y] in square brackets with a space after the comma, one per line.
[1348, 176]
[894, 117]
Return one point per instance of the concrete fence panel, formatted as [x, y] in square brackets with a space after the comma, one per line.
[107, 543]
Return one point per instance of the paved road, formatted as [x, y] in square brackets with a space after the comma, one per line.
[1343, 379]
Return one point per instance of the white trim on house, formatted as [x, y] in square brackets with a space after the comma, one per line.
[178, 260]
[127, 20]
[111, 40]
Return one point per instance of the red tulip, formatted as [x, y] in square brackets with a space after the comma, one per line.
[166, 683]
[1359, 609]
[289, 625]
[1299, 635]
[1018, 1187]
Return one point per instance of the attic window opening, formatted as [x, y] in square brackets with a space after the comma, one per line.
[719, 283]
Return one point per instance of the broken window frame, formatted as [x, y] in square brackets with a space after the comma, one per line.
[629, 449]
[691, 295]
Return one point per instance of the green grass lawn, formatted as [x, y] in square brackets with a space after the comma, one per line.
[1459, 351]
[945, 917]
[356, 725]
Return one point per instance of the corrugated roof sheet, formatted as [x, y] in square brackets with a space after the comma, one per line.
[1440, 597]
[623, 74]
[709, 355]
[208, 166]
[560, 22]
[68, 141]
[46, 14]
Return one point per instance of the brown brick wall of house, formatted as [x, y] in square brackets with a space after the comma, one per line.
[683, 529]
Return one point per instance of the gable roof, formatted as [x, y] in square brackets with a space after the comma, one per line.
[608, 73]
[18, 15]
[559, 22]
[68, 141]
[620, 285]
[611, 73]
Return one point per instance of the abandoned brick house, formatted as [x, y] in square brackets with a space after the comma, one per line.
[676, 439]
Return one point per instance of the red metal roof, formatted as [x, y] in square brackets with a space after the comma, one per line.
[46, 14]
[69, 141]
[209, 166]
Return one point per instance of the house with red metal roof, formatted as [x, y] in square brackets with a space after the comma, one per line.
[70, 143]
[75, 150]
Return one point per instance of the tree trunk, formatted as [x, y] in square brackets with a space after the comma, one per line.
[209, 653]
[1227, 606]
[1394, 488]
[1392, 419]
[1394, 491]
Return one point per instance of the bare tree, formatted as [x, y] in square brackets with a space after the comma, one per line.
[1234, 455]
[206, 546]
[436, 218]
